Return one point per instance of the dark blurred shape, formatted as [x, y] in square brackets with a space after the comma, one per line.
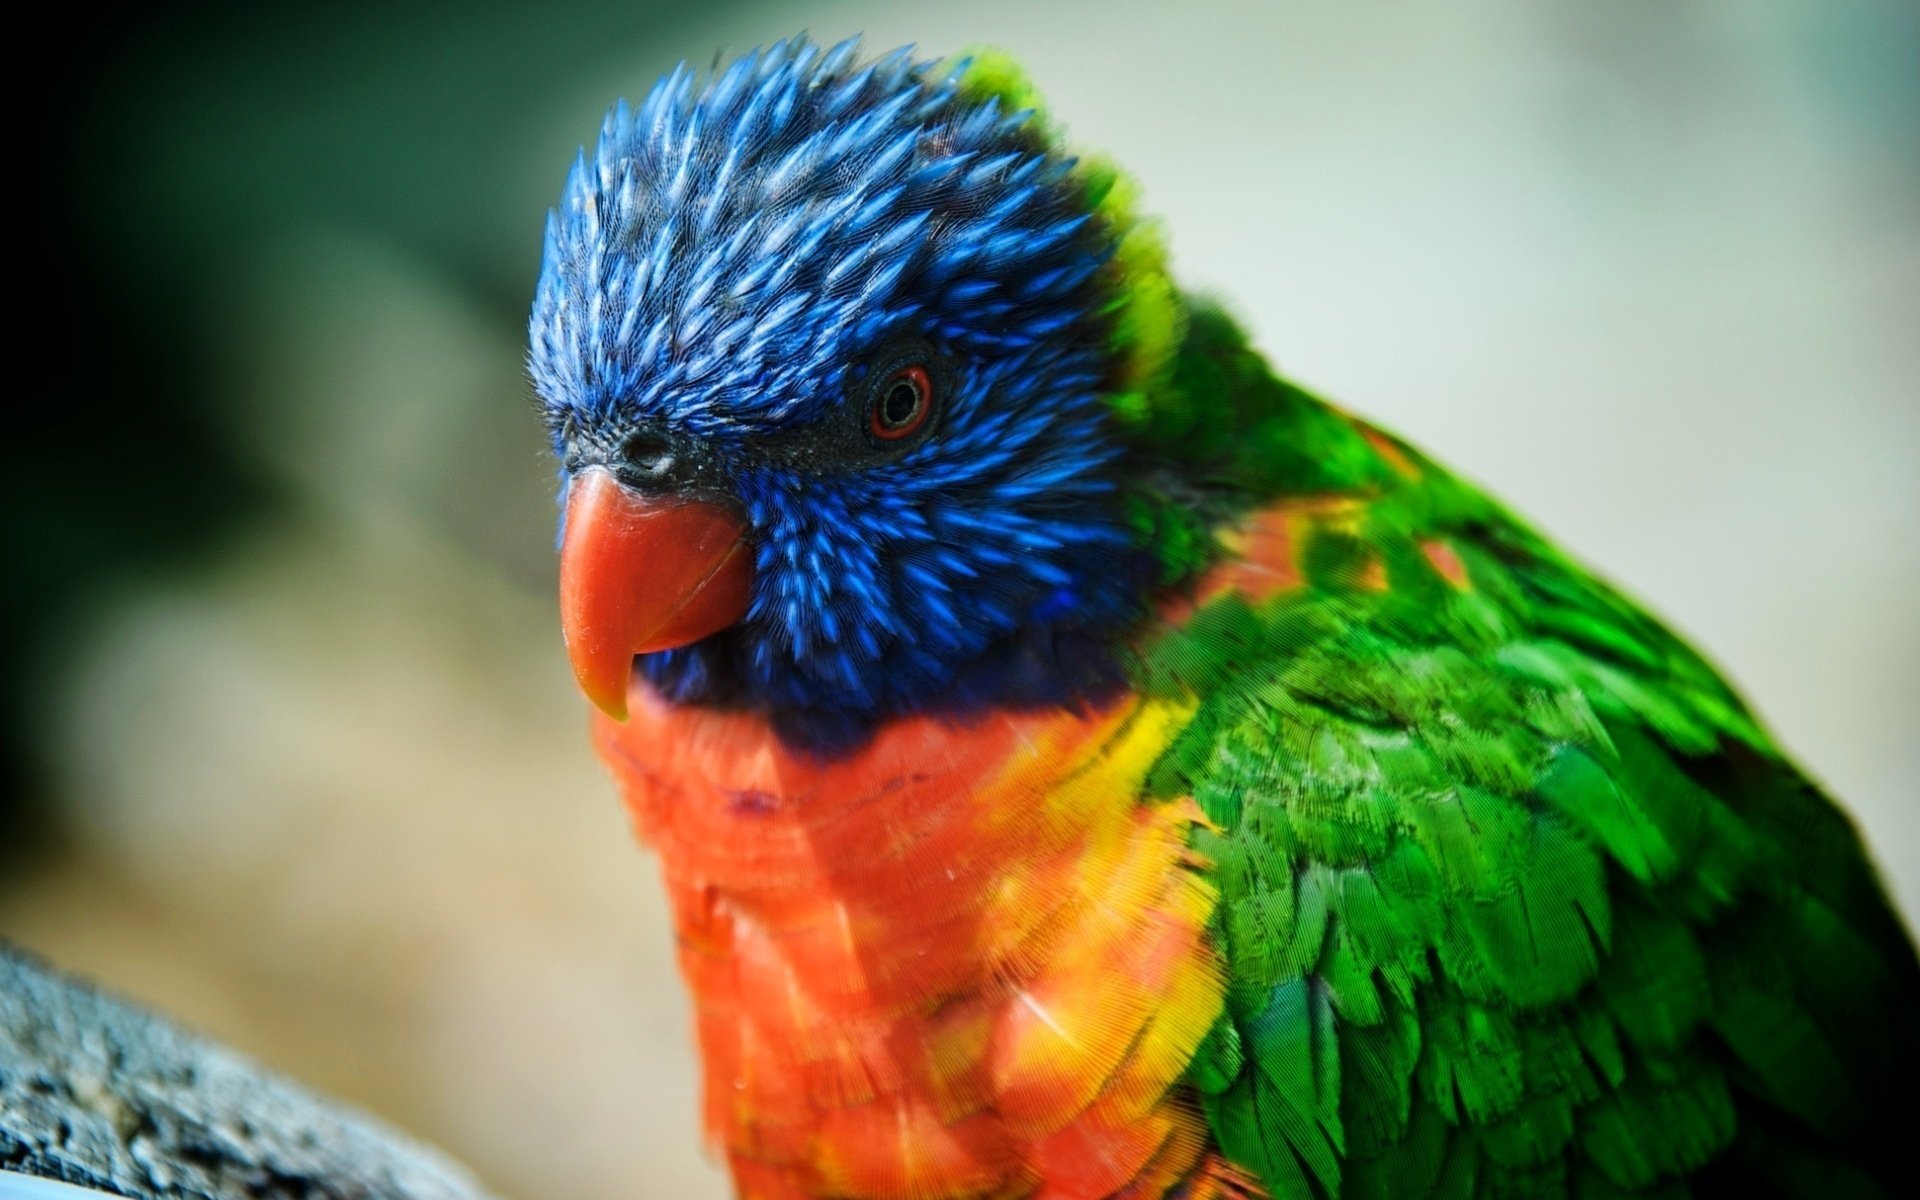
[118, 468]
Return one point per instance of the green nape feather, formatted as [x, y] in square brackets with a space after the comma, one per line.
[1517, 898]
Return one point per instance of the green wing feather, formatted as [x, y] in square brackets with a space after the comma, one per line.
[1517, 897]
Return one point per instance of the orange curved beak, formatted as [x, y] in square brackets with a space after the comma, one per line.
[644, 573]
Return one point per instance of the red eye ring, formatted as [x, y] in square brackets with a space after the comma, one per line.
[902, 405]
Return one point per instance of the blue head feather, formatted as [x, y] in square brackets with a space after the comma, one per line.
[731, 264]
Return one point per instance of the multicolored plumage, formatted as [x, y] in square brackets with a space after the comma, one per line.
[1084, 764]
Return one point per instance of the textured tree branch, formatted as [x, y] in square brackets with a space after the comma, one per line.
[97, 1092]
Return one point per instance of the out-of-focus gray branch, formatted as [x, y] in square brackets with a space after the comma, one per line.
[97, 1092]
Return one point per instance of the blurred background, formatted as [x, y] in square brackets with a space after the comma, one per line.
[290, 749]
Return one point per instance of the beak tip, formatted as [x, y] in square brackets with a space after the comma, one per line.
[615, 709]
[604, 687]
[611, 702]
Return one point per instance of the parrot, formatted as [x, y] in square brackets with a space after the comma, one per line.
[1082, 762]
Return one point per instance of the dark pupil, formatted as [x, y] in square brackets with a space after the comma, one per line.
[901, 403]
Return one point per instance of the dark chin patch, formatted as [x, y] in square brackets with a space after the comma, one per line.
[1042, 666]
[1041, 669]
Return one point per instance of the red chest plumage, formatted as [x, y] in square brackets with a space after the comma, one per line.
[962, 961]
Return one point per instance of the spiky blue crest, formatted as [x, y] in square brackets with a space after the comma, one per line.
[727, 265]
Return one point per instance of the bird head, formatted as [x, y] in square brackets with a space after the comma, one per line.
[835, 355]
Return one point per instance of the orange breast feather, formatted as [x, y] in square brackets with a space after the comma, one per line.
[965, 961]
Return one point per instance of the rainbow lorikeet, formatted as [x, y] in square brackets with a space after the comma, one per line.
[1085, 764]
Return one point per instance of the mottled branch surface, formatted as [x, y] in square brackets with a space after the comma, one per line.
[97, 1092]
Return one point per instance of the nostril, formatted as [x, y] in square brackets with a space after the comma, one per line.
[650, 455]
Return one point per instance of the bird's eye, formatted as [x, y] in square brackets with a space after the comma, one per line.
[901, 404]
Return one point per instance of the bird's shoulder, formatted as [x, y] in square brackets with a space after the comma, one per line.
[1515, 891]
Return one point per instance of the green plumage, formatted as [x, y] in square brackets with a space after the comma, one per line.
[1517, 897]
